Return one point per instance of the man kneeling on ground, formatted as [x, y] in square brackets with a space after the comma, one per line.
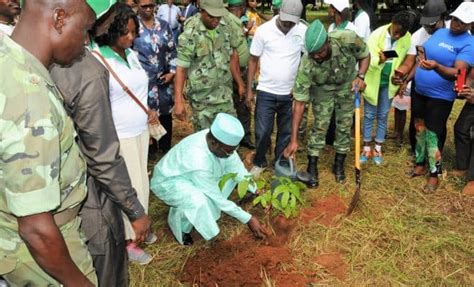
[187, 179]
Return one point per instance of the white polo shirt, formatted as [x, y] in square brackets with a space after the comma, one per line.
[6, 29]
[129, 119]
[280, 56]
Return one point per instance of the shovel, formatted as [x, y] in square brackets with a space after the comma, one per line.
[356, 196]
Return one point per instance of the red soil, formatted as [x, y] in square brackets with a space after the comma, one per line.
[324, 211]
[244, 261]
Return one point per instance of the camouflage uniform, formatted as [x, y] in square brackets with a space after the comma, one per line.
[41, 167]
[332, 89]
[207, 60]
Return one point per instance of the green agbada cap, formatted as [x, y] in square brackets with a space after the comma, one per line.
[315, 37]
[235, 2]
[276, 4]
[100, 7]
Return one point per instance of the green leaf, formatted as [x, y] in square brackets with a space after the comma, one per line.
[276, 204]
[279, 189]
[297, 194]
[242, 188]
[225, 178]
[292, 201]
[287, 212]
[264, 202]
[268, 196]
[300, 185]
[256, 200]
[285, 198]
[260, 184]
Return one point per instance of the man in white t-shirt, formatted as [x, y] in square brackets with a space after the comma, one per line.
[278, 45]
[432, 19]
[9, 9]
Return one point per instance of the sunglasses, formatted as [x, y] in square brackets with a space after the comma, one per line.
[147, 6]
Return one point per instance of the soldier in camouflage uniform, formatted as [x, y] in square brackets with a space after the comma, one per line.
[42, 172]
[208, 56]
[330, 68]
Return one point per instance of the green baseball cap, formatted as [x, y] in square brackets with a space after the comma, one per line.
[100, 7]
[315, 37]
[214, 7]
[276, 4]
[235, 3]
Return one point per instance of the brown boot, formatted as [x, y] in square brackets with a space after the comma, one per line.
[469, 188]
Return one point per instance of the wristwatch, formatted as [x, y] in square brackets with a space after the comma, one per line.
[361, 76]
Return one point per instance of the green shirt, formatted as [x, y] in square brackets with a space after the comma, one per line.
[334, 74]
[206, 58]
[41, 168]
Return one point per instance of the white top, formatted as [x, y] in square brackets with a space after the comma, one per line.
[362, 24]
[280, 56]
[349, 26]
[389, 45]
[6, 29]
[170, 15]
[129, 119]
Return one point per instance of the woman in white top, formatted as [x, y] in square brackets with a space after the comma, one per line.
[362, 20]
[131, 121]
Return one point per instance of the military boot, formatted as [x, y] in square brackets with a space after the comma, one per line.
[338, 167]
[313, 171]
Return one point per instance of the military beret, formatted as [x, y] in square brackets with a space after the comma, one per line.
[315, 36]
[235, 2]
[276, 4]
[100, 7]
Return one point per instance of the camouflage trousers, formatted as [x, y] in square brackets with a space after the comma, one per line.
[324, 103]
[204, 113]
[26, 272]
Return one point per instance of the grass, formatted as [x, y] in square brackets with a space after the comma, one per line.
[397, 235]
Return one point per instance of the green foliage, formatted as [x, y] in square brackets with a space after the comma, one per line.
[243, 185]
[280, 195]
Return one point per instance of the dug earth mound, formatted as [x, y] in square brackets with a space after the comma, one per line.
[244, 261]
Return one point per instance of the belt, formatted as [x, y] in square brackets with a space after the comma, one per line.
[66, 215]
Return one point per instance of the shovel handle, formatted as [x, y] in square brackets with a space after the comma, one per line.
[357, 129]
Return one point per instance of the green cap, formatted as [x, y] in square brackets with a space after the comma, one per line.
[235, 3]
[213, 7]
[315, 36]
[276, 4]
[100, 7]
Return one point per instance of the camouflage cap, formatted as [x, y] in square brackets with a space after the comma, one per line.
[315, 36]
[213, 7]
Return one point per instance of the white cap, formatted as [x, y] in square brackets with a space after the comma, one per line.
[338, 4]
[465, 12]
[227, 129]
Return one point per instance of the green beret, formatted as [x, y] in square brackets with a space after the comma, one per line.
[315, 36]
[100, 7]
[276, 4]
[235, 3]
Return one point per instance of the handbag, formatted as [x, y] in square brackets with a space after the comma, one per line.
[156, 129]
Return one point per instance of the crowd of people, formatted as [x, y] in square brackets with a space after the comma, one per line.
[78, 106]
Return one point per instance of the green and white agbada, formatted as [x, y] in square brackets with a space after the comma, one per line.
[187, 179]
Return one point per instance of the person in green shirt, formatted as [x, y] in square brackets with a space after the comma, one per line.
[328, 70]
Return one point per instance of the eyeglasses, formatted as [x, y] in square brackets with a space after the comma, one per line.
[147, 6]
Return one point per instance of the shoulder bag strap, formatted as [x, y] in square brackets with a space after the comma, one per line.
[124, 87]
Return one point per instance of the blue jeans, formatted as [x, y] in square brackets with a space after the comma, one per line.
[267, 106]
[381, 113]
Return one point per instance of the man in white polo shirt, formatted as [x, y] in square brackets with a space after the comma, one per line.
[277, 44]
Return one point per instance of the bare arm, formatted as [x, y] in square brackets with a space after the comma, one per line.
[47, 246]
[180, 78]
[252, 69]
[449, 73]
[298, 111]
[235, 71]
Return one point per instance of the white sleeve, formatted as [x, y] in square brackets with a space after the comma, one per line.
[362, 23]
[256, 49]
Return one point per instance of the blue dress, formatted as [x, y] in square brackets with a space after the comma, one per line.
[156, 50]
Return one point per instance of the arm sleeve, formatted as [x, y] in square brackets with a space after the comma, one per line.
[29, 166]
[186, 47]
[359, 48]
[100, 146]
[467, 53]
[256, 49]
[207, 183]
[171, 53]
[303, 80]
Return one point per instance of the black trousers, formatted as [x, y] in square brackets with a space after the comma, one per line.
[165, 142]
[243, 114]
[435, 113]
[464, 140]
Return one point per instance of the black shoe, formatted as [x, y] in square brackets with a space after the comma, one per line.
[338, 167]
[187, 239]
[313, 171]
[248, 144]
